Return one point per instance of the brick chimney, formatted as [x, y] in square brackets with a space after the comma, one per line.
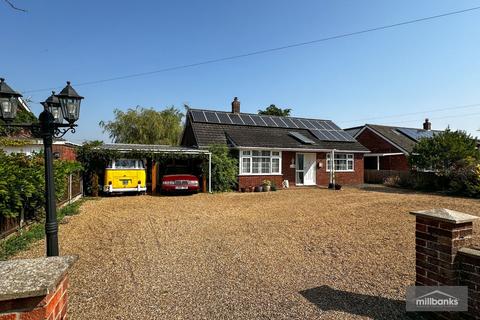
[427, 125]
[235, 105]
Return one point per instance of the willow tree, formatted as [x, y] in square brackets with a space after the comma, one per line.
[144, 126]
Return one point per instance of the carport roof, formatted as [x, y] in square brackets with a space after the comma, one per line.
[150, 148]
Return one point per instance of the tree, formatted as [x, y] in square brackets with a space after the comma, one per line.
[273, 110]
[443, 151]
[145, 126]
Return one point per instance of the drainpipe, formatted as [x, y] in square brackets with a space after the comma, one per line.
[210, 172]
[333, 167]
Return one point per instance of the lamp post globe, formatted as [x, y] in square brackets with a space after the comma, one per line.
[52, 105]
[8, 101]
[70, 103]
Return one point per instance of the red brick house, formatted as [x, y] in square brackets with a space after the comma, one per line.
[278, 148]
[389, 146]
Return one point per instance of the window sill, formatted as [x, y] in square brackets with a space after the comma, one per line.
[341, 171]
[259, 174]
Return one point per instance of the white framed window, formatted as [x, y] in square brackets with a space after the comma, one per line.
[343, 162]
[260, 162]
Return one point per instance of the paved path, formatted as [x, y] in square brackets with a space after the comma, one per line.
[295, 254]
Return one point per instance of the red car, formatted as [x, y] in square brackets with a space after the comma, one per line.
[173, 181]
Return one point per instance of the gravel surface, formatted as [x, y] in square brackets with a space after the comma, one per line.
[293, 254]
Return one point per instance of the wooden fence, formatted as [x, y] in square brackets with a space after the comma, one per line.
[74, 192]
[379, 176]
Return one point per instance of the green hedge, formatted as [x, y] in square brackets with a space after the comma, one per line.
[22, 182]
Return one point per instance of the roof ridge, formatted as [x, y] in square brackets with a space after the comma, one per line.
[395, 127]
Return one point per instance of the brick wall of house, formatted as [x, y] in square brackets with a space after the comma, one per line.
[288, 173]
[323, 177]
[51, 306]
[65, 152]
[254, 181]
[344, 178]
[375, 143]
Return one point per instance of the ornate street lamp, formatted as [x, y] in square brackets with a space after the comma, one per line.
[8, 101]
[65, 105]
[70, 103]
[52, 104]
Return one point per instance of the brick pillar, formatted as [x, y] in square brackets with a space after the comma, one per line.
[34, 289]
[439, 234]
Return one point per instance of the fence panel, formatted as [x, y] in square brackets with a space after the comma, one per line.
[74, 190]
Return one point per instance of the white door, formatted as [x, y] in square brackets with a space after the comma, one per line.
[306, 169]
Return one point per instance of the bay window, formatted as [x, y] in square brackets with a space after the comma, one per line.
[260, 162]
[342, 162]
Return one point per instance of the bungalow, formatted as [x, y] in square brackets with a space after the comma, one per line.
[279, 149]
[389, 145]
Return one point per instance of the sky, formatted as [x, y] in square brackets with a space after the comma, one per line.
[393, 77]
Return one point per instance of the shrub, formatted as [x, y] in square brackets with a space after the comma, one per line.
[465, 178]
[224, 169]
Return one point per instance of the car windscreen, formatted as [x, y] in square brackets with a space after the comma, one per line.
[177, 170]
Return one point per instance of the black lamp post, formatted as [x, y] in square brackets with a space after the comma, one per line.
[64, 106]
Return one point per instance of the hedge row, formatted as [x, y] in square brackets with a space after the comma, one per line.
[22, 182]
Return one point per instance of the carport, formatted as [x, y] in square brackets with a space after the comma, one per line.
[160, 156]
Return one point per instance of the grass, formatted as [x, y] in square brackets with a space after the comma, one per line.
[36, 231]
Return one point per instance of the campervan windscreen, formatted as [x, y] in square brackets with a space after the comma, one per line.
[129, 164]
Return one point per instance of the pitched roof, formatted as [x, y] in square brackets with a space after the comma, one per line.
[255, 136]
[403, 137]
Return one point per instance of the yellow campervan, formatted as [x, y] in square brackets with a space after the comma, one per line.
[125, 175]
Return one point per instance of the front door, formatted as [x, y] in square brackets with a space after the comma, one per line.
[306, 169]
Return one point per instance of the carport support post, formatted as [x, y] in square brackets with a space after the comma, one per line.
[210, 172]
[154, 177]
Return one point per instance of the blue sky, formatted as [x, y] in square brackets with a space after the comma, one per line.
[409, 69]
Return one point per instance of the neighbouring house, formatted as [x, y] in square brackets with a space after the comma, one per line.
[278, 148]
[389, 146]
[61, 149]
[23, 141]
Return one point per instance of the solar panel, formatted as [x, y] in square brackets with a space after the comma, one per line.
[198, 116]
[211, 117]
[258, 121]
[346, 136]
[416, 134]
[301, 137]
[310, 124]
[319, 134]
[290, 123]
[224, 118]
[236, 118]
[299, 123]
[269, 121]
[247, 119]
[324, 130]
[279, 121]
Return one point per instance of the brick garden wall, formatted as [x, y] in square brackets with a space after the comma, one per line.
[469, 275]
[50, 307]
[444, 257]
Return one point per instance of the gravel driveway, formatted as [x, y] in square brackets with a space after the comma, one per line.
[294, 254]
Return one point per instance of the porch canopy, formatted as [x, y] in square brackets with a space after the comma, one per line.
[156, 153]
